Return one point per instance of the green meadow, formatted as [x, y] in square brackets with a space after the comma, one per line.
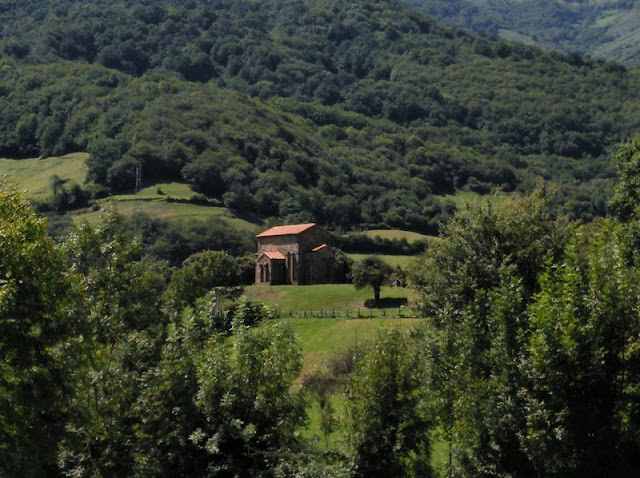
[326, 336]
[392, 260]
[321, 297]
[166, 210]
[159, 190]
[397, 234]
[33, 175]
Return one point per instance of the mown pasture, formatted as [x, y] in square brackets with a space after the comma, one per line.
[326, 297]
[393, 260]
[33, 175]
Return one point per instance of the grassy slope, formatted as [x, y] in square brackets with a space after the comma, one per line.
[324, 336]
[33, 175]
[169, 211]
[396, 234]
[623, 37]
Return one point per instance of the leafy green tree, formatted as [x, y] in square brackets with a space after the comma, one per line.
[167, 412]
[204, 174]
[201, 273]
[583, 365]
[245, 394]
[474, 286]
[38, 341]
[26, 129]
[626, 200]
[343, 265]
[124, 325]
[372, 272]
[65, 195]
[216, 403]
[389, 410]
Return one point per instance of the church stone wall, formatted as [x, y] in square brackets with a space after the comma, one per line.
[301, 266]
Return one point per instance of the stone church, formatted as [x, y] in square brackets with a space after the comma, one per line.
[298, 254]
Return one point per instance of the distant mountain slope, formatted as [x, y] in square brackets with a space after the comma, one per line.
[603, 28]
[352, 114]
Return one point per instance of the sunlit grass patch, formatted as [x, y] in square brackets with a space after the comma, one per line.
[34, 175]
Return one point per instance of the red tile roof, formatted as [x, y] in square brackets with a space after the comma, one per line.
[320, 247]
[275, 255]
[286, 230]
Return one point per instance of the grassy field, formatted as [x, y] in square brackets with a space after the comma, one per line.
[33, 175]
[159, 190]
[397, 234]
[326, 336]
[321, 296]
[392, 260]
[169, 211]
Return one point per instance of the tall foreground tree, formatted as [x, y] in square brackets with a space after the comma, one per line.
[533, 340]
[583, 363]
[120, 299]
[219, 405]
[626, 200]
[474, 285]
[37, 341]
[390, 419]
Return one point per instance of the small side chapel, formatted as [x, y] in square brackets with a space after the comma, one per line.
[297, 254]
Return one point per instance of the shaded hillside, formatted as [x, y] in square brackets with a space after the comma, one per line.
[607, 29]
[357, 114]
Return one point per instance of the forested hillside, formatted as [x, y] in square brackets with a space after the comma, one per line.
[350, 114]
[607, 29]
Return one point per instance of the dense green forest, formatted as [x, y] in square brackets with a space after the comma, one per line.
[605, 29]
[527, 363]
[358, 115]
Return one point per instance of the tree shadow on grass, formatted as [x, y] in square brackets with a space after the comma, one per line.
[386, 303]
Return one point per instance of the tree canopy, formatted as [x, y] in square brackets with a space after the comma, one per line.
[372, 271]
[38, 341]
[528, 344]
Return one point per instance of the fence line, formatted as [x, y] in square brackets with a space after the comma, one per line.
[399, 313]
